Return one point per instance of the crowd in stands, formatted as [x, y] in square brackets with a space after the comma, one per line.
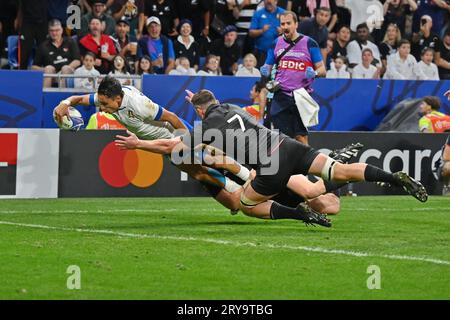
[364, 39]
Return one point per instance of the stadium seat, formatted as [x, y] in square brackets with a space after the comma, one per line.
[70, 83]
[13, 52]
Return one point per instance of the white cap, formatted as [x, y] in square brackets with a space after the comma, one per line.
[152, 19]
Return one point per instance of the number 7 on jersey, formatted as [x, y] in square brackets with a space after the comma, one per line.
[237, 117]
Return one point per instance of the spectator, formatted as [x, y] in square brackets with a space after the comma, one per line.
[57, 54]
[125, 44]
[166, 11]
[120, 69]
[199, 12]
[365, 69]
[211, 67]
[144, 65]
[355, 47]
[31, 22]
[389, 45]
[426, 38]
[86, 73]
[433, 120]
[265, 28]
[341, 42]
[99, 12]
[87, 5]
[360, 14]
[442, 57]
[99, 44]
[185, 44]
[338, 69]
[248, 69]
[402, 65]
[316, 28]
[158, 47]
[435, 9]
[306, 9]
[396, 11]
[133, 12]
[227, 50]
[183, 68]
[426, 65]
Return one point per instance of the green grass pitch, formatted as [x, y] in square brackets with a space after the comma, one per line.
[192, 248]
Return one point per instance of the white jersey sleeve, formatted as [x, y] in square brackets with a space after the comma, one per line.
[143, 107]
[140, 115]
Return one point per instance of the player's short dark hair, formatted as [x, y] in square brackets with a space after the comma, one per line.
[362, 26]
[290, 13]
[203, 98]
[434, 102]
[110, 87]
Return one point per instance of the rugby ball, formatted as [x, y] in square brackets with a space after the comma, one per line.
[74, 122]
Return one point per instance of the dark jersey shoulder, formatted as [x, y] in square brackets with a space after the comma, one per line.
[238, 134]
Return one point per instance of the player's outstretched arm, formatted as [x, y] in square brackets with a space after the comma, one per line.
[161, 146]
[216, 158]
[63, 108]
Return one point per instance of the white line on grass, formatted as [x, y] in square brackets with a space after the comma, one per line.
[103, 211]
[232, 243]
[197, 210]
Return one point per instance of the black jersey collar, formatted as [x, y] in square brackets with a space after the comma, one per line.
[210, 108]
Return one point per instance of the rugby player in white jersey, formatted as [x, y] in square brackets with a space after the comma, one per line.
[149, 121]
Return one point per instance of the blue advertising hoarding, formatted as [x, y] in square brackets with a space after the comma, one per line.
[346, 105]
[20, 99]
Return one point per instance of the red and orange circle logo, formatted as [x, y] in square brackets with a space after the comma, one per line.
[119, 168]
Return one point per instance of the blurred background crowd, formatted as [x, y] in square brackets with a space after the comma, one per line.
[364, 39]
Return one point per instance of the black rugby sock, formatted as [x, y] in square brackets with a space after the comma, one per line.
[278, 211]
[374, 174]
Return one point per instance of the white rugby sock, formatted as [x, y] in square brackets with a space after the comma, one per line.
[243, 173]
[231, 186]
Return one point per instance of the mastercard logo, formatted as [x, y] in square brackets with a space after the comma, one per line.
[119, 168]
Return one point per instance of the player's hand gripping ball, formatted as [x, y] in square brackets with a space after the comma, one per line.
[73, 122]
